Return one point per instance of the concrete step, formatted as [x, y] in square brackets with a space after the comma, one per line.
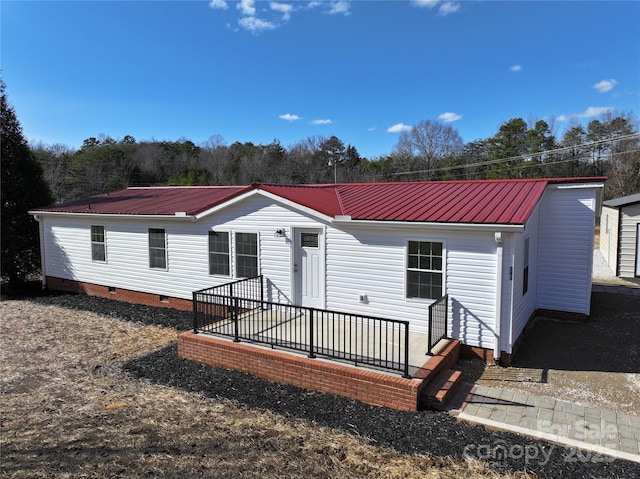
[440, 389]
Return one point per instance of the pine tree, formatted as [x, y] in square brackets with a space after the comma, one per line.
[22, 189]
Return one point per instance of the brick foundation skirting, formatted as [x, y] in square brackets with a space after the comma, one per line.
[314, 374]
[119, 294]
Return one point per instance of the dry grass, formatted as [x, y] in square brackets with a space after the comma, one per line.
[68, 411]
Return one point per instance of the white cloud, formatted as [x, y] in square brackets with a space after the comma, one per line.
[425, 3]
[515, 68]
[283, 8]
[255, 25]
[339, 7]
[449, 117]
[399, 127]
[605, 85]
[221, 4]
[448, 7]
[588, 113]
[373, 128]
[289, 117]
[247, 7]
[445, 7]
[321, 122]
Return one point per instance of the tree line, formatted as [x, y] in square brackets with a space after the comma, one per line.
[608, 146]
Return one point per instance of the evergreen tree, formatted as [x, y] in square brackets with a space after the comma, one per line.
[22, 188]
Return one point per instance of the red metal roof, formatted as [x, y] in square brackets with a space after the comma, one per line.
[151, 201]
[472, 202]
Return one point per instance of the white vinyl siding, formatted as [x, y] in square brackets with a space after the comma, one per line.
[380, 253]
[609, 228]
[565, 252]
[523, 305]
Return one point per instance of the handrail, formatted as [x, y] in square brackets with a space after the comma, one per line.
[360, 339]
[438, 322]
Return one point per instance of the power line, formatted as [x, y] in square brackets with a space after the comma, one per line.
[527, 156]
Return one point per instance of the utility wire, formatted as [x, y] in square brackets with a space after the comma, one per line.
[528, 155]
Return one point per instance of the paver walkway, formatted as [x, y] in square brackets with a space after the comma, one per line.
[569, 424]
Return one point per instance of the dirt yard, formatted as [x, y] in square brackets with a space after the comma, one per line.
[596, 363]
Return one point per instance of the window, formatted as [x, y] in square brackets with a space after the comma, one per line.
[525, 270]
[98, 247]
[218, 253]
[157, 249]
[246, 255]
[309, 240]
[424, 270]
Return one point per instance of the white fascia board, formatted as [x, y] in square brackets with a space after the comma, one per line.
[278, 199]
[422, 225]
[574, 186]
[176, 217]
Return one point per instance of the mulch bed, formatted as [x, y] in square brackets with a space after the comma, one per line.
[426, 432]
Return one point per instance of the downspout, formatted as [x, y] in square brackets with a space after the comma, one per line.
[42, 261]
[498, 339]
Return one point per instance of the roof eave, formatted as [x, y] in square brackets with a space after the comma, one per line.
[512, 228]
[179, 216]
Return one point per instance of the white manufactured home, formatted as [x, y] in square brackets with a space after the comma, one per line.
[500, 250]
[620, 235]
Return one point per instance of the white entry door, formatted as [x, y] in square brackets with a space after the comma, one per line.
[638, 251]
[309, 267]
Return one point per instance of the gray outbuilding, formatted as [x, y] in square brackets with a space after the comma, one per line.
[620, 235]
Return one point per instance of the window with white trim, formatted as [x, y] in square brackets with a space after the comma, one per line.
[425, 270]
[525, 269]
[219, 253]
[98, 244]
[157, 248]
[246, 255]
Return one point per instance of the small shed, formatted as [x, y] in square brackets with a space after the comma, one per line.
[620, 235]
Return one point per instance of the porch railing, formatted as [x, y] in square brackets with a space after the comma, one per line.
[238, 310]
[438, 312]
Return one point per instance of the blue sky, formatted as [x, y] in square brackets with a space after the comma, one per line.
[361, 70]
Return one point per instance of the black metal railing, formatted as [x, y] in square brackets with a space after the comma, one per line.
[362, 340]
[438, 312]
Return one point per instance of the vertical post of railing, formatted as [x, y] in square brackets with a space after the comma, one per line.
[406, 352]
[430, 332]
[261, 290]
[312, 354]
[446, 315]
[234, 316]
[195, 313]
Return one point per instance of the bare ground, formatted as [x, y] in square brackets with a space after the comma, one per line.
[595, 363]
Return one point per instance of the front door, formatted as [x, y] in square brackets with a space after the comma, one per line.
[309, 267]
